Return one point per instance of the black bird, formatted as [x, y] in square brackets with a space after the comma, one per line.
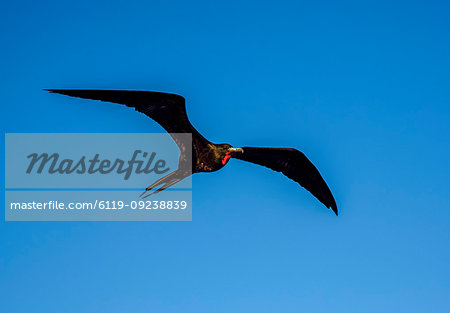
[169, 111]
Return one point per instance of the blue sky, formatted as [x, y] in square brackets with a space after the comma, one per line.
[360, 88]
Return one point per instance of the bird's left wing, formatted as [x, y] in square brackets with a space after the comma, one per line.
[295, 165]
[168, 110]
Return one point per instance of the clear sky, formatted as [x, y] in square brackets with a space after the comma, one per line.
[362, 88]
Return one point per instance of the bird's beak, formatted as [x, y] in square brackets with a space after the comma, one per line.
[234, 150]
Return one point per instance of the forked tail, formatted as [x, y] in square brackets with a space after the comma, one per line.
[166, 182]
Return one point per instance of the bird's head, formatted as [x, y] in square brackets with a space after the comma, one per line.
[226, 151]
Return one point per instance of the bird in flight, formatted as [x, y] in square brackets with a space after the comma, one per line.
[169, 110]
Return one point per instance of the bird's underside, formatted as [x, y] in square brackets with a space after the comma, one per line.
[169, 111]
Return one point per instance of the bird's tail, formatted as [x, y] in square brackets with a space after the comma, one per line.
[166, 182]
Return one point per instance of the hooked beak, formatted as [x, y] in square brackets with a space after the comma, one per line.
[234, 150]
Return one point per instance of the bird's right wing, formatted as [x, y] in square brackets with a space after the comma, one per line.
[295, 165]
[168, 110]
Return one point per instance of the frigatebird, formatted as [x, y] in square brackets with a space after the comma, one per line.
[169, 110]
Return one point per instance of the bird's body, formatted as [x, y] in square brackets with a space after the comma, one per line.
[169, 111]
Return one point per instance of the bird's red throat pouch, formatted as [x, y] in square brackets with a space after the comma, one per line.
[226, 158]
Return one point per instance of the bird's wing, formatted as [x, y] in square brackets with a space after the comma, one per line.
[295, 165]
[168, 110]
